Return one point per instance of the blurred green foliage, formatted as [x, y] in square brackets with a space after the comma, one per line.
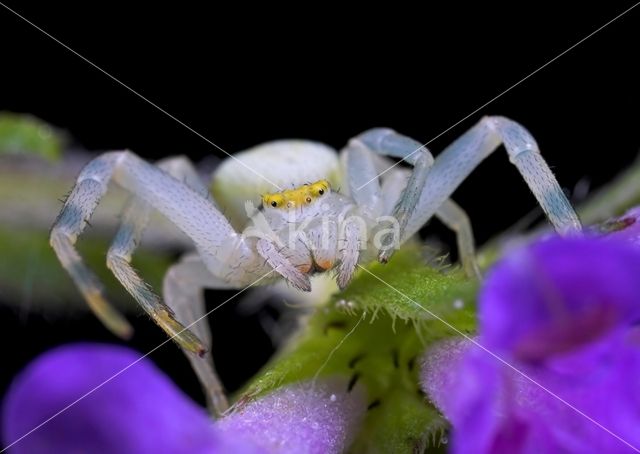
[25, 134]
[31, 273]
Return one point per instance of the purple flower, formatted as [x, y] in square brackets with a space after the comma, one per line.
[142, 411]
[558, 295]
[300, 419]
[561, 314]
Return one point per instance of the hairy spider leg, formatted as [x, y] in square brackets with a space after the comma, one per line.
[190, 211]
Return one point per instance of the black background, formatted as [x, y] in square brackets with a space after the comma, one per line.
[254, 74]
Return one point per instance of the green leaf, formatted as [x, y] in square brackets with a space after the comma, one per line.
[25, 134]
[409, 289]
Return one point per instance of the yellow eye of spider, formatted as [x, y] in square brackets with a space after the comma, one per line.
[319, 188]
[292, 198]
[274, 200]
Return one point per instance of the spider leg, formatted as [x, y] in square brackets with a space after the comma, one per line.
[191, 212]
[387, 142]
[182, 289]
[134, 220]
[90, 187]
[456, 219]
[361, 171]
[459, 159]
[349, 251]
[452, 166]
[282, 265]
[449, 213]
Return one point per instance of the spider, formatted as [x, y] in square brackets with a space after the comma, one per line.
[296, 232]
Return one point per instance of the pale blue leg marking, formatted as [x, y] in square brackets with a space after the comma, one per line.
[459, 159]
[525, 155]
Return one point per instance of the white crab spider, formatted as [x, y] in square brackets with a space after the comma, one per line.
[225, 258]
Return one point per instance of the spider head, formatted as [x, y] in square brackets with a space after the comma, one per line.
[297, 197]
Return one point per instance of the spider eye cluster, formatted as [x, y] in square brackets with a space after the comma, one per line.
[297, 197]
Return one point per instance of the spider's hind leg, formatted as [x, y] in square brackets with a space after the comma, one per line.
[183, 290]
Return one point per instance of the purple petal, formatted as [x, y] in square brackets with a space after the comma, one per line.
[561, 313]
[494, 408]
[303, 418]
[138, 411]
[559, 294]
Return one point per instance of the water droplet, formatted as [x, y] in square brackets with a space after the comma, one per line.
[444, 440]
[458, 304]
[333, 398]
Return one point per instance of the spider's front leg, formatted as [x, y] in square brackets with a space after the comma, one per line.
[282, 264]
[190, 211]
[349, 246]
[134, 220]
[400, 192]
[90, 186]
